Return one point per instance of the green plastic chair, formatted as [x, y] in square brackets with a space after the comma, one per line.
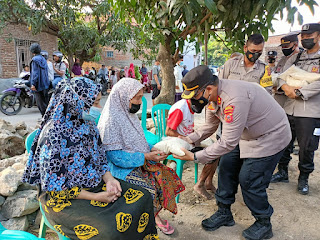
[158, 113]
[6, 234]
[29, 140]
[45, 223]
[151, 138]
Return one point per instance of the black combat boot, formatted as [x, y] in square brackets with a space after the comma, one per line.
[222, 217]
[261, 229]
[281, 175]
[303, 186]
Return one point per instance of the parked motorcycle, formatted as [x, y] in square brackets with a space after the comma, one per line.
[104, 82]
[100, 79]
[13, 99]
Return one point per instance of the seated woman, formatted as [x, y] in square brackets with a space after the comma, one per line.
[131, 158]
[80, 197]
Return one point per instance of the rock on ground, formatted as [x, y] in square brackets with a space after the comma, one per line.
[12, 144]
[9, 181]
[20, 204]
[20, 223]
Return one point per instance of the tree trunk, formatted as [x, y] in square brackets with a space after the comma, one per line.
[168, 80]
[70, 61]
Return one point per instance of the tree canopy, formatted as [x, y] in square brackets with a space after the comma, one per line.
[174, 21]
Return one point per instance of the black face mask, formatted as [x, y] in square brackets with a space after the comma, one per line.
[308, 43]
[198, 105]
[288, 51]
[252, 57]
[271, 60]
[134, 108]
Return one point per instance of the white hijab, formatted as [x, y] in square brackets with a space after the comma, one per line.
[119, 129]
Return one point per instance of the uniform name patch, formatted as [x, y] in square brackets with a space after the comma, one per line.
[228, 113]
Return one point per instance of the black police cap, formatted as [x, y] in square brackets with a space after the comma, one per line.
[310, 28]
[272, 53]
[289, 38]
[196, 79]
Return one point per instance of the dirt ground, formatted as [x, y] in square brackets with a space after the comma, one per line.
[296, 217]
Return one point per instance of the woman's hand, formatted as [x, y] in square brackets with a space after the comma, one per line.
[105, 197]
[188, 157]
[112, 184]
[155, 155]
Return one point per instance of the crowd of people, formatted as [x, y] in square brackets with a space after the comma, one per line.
[85, 170]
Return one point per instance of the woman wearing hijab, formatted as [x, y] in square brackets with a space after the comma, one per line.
[80, 197]
[131, 73]
[130, 157]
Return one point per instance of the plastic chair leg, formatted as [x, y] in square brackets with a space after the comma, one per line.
[43, 228]
[179, 173]
[195, 172]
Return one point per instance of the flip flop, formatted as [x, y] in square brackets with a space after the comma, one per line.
[166, 228]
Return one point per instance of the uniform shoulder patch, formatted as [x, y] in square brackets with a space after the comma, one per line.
[228, 112]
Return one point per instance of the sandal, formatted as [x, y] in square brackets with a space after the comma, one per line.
[166, 228]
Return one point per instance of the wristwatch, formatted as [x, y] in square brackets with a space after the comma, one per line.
[298, 93]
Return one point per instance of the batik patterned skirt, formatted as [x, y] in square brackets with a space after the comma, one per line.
[129, 217]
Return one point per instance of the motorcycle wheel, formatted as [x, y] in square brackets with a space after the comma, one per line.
[7, 106]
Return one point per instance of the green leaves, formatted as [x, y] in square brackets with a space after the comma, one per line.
[211, 5]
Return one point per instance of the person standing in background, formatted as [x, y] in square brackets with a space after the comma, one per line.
[39, 78]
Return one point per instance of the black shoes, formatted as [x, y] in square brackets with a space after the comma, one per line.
[222, 217]
[303, 186]
[261, 229]
[280, 176]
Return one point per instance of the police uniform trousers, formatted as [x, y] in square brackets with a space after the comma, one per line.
[302, 128]
[253, 175]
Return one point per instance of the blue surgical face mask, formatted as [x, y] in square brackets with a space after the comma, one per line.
[93, 114]
[181, 63]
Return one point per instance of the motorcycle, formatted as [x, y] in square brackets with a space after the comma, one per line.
[13, 99]
[104, 82]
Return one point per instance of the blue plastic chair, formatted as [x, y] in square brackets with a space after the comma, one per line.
[6, 234]
[158, 113]
[151, 138]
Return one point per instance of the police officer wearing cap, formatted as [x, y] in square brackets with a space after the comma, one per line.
[302, 108]
[255, 133]
[272, 56]
[248, 67]
[290, 47]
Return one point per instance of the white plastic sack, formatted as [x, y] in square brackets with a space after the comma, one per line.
[173, 145]
[297, 77]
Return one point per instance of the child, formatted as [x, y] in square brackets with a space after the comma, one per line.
[95, 110]
[181, 123]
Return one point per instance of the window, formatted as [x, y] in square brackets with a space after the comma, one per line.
[109, 54]
[24, 55]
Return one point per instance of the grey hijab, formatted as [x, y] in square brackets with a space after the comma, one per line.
[119, 129]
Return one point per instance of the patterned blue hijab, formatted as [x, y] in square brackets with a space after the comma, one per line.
[67, 151]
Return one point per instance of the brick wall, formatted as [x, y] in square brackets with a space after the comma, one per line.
[8, 55]
[119, 59]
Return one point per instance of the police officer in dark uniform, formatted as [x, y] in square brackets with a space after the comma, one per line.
[302, 108]
[272, 56]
